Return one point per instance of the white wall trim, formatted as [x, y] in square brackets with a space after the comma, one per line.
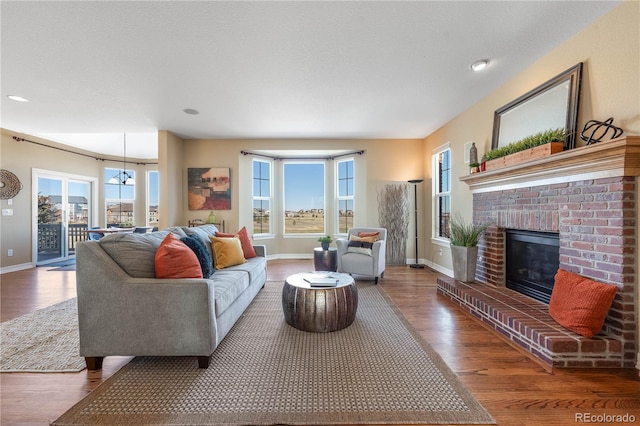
[15, 268]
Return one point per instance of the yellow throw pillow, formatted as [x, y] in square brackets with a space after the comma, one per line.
[371, 239]
[227, 252]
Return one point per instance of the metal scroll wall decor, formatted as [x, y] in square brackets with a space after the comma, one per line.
[393, 211]
[10, 185]
[594, 131]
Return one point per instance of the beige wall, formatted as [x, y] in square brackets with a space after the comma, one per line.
[610, 51]
[384, 161]
[20, 158]
[171, 185]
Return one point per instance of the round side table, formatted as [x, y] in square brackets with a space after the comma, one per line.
[319, 309]
[325, 260]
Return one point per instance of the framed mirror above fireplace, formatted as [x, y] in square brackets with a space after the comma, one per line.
[552, 105]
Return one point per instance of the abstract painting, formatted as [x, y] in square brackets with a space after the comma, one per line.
[209, 188]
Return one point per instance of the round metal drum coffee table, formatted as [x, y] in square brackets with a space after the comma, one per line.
[319, 302]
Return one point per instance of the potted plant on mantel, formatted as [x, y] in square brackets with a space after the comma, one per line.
[464, 239]
[531, 147]
[325, 241]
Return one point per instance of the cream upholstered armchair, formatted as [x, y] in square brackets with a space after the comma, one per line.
[357, 257]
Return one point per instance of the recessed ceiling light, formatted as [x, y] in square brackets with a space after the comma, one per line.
[191, 111]
[17, 98]
[479, 65]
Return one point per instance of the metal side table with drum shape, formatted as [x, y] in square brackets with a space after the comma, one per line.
[319, 302]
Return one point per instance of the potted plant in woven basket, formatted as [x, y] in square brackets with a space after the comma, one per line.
[464, 237]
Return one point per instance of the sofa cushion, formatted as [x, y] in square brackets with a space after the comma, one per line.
[134, 253]
[579, 303]
[245, 241]
[227, 252]
[254, 267]
[201, 252]
[228, 286]
[174, 259]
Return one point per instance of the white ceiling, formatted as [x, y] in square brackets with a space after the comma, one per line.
[93, 71]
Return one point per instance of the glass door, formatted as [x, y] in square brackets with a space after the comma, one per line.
[51, 232]
[64, 212]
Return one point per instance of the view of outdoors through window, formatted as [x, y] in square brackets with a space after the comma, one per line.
[119, 196]
[59, 211]
[345, 195]
[261, 196]
[443, 192]
[304, 198]
[152, 198]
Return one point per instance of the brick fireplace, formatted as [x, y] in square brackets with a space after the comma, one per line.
[589, 197]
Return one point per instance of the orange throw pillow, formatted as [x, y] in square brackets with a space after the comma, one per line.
[245, 241]
[580, 304]
[174, 259]
[375, 234]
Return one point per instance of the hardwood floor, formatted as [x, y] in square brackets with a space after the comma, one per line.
[511, 385]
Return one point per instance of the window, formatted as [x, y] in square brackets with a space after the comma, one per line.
[119, 190]
[442, 191]
[344, 193]
[152, 198]
[304, 198]
[261, 197]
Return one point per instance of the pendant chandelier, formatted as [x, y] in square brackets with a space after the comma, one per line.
[123, 178]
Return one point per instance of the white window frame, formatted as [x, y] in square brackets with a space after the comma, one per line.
[117, 172]
[437, 194]
[341, 198]
[262, 198]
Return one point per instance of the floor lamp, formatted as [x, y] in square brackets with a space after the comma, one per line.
[415, 182]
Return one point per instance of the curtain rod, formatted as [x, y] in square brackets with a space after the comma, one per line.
[332, 157]
[76, 153]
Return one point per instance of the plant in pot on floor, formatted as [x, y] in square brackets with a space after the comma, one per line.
[325, 241]
[464, 247]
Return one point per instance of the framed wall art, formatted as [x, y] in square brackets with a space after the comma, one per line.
[209, 188]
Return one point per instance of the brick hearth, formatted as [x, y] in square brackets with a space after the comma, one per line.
[527, 323]
[595, 215]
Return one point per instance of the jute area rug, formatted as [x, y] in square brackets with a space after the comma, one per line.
[376, 371]
[44, 341]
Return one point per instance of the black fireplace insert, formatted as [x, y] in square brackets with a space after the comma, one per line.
[532, 260]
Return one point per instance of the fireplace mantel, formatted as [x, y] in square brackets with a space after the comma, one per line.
[617, 157]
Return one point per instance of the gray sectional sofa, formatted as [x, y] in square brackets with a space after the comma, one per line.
[124, 310]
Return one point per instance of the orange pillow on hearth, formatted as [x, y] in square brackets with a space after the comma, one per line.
[245, 241]
[174, 259]
[579, 303]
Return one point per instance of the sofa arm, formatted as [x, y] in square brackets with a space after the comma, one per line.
[261, 250]
[122, 315]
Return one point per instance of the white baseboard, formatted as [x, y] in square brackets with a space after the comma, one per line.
[291, 256]
[446, 271]
[305, 256]
[15, 268]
